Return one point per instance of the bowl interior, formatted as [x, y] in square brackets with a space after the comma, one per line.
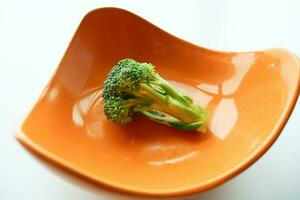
[249, 95]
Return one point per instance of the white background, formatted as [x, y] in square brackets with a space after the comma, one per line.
[35, 34]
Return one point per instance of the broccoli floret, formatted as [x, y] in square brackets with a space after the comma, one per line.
[116, 110]
[132, 87]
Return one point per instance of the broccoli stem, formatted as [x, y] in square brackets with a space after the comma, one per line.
[170, 90]
[169, 103]
[137, 101]
[171, 121]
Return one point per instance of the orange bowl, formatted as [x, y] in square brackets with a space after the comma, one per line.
[250, 96]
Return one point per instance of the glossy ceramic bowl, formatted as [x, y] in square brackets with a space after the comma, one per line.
[250, 96]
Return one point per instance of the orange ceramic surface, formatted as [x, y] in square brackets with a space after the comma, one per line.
[250, 96]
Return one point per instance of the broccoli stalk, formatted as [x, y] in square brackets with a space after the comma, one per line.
[132, 87]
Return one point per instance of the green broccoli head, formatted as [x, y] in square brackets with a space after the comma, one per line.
[116, 110]
[132, 87]
[126, 77]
